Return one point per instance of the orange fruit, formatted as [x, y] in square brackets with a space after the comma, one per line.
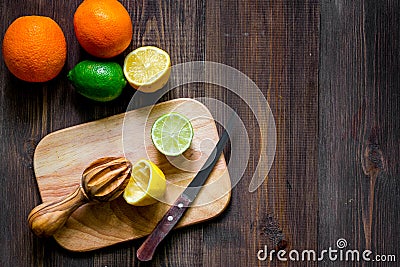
[34, 48]
[103, 27]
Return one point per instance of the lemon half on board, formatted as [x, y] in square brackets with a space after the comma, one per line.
[147, 68]
[146, 185]
[172, 134]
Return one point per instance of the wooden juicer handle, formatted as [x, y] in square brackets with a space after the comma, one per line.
[47, 218]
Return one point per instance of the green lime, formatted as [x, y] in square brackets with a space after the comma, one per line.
[172, 134]
[100, 81]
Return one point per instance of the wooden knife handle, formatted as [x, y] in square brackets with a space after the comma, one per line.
[47, 218]
[164, 226]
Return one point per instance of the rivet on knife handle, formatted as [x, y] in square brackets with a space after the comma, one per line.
[164, 226]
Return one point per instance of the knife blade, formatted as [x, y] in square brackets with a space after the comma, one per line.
[184, 201]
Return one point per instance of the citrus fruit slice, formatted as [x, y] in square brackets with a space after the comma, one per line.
[146, 185]
[172, 134]
[147, 68]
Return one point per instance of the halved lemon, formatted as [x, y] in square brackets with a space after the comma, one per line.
[172, 134]
[147, 68]
[147, 184]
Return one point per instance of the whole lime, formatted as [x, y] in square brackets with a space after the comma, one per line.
[99, 81]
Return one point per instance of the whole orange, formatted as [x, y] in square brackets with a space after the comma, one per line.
[34, 48]
[103, 27]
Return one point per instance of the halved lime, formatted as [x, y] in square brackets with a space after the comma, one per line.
[172, 134]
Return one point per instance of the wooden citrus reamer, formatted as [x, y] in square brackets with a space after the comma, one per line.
[104, 180]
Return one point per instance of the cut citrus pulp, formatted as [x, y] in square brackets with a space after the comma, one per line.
[172, 134]
[147, 68]
[146, 185]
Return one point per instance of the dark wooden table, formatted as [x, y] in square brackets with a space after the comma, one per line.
[330, 72]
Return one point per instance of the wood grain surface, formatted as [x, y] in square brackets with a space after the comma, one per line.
[359, 127]
[330, 72]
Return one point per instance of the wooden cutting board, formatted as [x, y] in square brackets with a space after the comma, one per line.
[61, 157]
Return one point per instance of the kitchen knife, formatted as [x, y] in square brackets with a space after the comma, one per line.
[183, 202]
